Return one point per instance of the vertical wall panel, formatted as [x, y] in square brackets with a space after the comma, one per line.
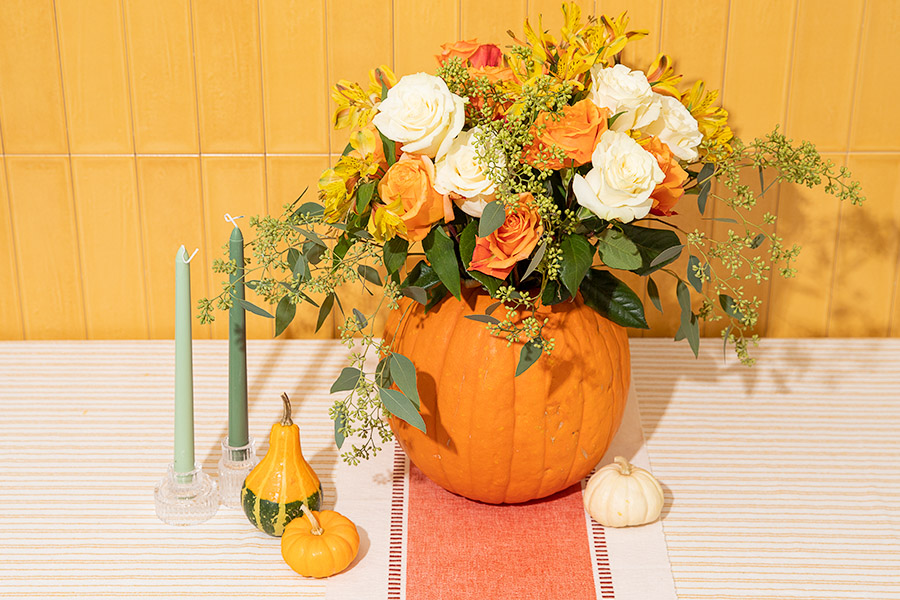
[226, 48]
[10, 307]
[31, 107]
[483, 20]
[798, 307]
[172, 215]
[92, 50]
[825, 57]
[875, 126]
[46, 247]
[683, 23]
[360, 38]
[868, 246]
[419, 30]
[111, 247]
[287, 177]
[756, 86]
[295, 75]
[234, 185]
[160, 52]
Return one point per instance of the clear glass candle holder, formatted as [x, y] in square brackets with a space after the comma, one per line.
[234, 466]
[186, 498]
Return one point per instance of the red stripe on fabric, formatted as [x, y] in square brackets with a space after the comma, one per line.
[395, 548]
[457, 549]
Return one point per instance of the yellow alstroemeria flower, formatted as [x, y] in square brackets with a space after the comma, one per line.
[712, 120]
[355, 107]
[385, 223]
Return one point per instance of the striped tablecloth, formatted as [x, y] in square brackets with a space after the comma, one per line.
[782, 481]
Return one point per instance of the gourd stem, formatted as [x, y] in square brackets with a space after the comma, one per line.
[316, 528]
[286, 416]
[624, 466]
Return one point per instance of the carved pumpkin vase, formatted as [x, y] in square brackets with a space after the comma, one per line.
[498, 438]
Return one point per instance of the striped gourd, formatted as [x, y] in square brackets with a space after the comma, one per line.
[282, 482]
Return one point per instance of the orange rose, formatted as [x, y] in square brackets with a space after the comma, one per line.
[576, 132]
[670, 190]
[407, 190]
[497, 254]
[463, 49]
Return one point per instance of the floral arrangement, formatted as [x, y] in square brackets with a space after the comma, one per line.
[532, 173]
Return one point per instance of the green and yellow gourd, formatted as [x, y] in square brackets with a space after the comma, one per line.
[282, 482]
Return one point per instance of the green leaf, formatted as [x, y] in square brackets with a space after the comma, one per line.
[657, 247]
[466, 250]
[617, 251]
[758, 240]
[340, 421]
[612, 119]
[705, 184]
[369, 274]
[762, 183]
[284, 314]
[416, 293]
[653, 293]
[577, 256]
[441, 253]
[310, 236]
[253, 308]
[301, 268]
[693, 279]
[720, 219]
[343, 245]
[490, 309]
[492, 218]
[684, 298]
[312, 209]
[666, 256]
[535, 260]
[347, 380]
[324, 310]
[401, 407]
[360, 318]
[364, 196]
[484, 319]
[313, 252]
[395, 252]
[531, 351]
[610, 297]
[390, 150]
[383, 372]
[421, 275]
[554, 293]
[690, 329]
[403, 373]
[729, 306]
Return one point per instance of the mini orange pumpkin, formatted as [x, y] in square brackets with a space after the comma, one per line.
[319, 543]
[498, 438]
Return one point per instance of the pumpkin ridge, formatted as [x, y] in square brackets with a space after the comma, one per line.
[438, 377]
[582, 398]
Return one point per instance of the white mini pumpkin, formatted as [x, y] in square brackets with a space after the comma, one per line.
[621, 495]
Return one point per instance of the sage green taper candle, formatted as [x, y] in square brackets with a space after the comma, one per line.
[237, 348]
[184, 373]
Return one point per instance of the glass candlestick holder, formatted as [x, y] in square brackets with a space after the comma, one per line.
[186, 498]
[234, 466]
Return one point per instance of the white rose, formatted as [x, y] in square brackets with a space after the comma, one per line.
[676, 128]
[460, 171]
[621, 90]
[422, 113]
[620, 184]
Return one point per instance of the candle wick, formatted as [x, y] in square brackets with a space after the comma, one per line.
[191, 257]
[232, 220]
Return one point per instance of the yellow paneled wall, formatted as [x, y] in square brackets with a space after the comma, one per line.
[129, 127]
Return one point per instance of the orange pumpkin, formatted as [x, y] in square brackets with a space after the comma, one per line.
[498, 438]
[319, 543]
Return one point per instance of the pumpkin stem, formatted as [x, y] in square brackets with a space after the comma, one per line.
[624, 466]
[286, 416]
[316, 528]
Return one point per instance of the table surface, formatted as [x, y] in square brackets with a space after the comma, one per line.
[782, 480]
